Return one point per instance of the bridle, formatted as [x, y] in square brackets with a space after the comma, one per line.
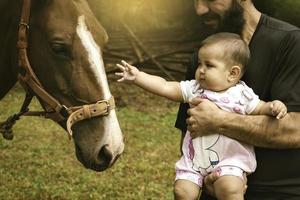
[33, 87]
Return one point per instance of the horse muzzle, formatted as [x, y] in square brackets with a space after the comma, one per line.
[100, 161]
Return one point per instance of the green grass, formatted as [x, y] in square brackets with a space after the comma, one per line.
[40, 162]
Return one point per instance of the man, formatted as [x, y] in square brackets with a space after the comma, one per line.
[273, 73]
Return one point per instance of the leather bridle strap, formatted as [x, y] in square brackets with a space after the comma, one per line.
[33, 87]
[100, 108]
[26, 76]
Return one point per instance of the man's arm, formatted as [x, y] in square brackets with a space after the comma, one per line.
[258, 130]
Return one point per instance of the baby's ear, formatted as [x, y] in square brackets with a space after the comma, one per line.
[234, 73]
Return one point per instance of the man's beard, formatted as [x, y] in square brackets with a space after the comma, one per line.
[233, 20]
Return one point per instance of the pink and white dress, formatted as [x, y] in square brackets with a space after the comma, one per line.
[206, 154]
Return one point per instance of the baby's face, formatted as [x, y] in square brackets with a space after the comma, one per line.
[212, 72]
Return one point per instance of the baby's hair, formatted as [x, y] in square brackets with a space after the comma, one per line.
[236, 50]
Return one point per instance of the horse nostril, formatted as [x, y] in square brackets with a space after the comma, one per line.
[100, 163]
[105, 156]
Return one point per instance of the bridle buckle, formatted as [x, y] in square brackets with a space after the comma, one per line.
[107, 106]
[64, 111]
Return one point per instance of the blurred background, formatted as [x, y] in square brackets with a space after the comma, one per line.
[162, 14]
[159, 36]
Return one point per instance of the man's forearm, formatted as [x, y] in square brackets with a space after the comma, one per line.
[261, 130]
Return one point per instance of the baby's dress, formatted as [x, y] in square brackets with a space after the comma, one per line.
[203, 155]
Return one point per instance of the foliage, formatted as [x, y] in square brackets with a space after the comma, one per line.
[40, 162]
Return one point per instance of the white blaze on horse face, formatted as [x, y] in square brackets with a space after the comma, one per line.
[94, 55]
[114, 139]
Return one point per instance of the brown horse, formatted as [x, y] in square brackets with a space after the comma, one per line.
[59, 60]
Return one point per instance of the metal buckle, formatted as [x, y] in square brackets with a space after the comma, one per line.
[22, 23]
[64, 111]
[107, 106]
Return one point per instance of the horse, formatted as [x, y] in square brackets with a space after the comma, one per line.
[54, 49]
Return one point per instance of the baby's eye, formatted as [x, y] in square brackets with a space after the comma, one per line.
[209, 65]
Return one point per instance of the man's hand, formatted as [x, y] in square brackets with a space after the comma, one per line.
[128, 72]
[212, 177]
[209, 183]
[203, 117]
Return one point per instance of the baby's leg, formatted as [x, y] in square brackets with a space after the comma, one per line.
[186, 190]
[229, 187]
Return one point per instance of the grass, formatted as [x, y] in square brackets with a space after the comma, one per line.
[40, 162]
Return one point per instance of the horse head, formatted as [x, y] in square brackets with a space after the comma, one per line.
[65, 43]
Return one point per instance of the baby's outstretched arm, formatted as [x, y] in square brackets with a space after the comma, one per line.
[273, 108]
[153, 84]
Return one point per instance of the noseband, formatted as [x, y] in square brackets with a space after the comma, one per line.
[33, 87]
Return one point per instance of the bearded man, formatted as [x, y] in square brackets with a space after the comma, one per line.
[273, 73]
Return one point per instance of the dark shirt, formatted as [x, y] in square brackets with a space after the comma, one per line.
[273, 73]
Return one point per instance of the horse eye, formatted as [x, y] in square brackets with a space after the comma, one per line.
[60, 49]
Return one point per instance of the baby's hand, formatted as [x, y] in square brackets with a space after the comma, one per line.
[278, 109]
[128, 72]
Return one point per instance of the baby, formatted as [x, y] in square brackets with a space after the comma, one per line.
[222, 61]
